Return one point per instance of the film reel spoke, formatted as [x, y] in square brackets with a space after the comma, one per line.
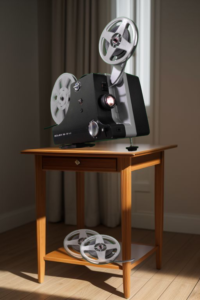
[60, 84]
[83, 234]
[54, 105]
[101, 256]
[88, 248]
[110, 52]
[99, 239]
[66, 108]
[111, 246]
[59, 115]
[72, 243]
[68, 81]
[107, 35]
[124, 24]
[125, 45]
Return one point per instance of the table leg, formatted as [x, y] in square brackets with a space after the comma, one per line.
[80, 195]
[41, 216]
[159, 207]
[126, 222]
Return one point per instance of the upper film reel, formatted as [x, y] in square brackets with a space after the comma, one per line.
[74, 239]
[60, 97]
[100, 249]
[118, 41]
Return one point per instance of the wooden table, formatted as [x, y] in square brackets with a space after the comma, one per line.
[104, 157]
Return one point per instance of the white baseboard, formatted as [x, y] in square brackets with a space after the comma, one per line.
[172, 222]
[17, 218]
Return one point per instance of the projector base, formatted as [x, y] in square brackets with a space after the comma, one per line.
[79, 145]
[132, 148]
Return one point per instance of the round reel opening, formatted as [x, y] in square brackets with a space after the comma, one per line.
[74, 239]
[100, 249]
[118, 41]
[60, 97]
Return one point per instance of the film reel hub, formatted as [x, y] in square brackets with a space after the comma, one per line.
[100, 249]
[81, 240]
[116, 40]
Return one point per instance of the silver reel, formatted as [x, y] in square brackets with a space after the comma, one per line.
[118, 41]
[100, 249]
[74, 239]
[60, 97]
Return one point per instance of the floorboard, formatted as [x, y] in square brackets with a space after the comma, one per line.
[179, 278]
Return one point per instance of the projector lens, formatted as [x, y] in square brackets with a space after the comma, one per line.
[108, 101]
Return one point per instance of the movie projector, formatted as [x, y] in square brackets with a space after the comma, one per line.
[93, 247]
[101, 106]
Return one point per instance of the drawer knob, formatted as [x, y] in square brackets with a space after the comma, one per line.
[77, 162]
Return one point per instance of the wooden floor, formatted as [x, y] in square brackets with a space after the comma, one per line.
[179, 278]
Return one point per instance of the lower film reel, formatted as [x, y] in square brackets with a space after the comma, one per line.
[60, 97]
[74, 239]
[100, 249]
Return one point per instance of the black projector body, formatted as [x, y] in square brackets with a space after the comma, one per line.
[86, 106]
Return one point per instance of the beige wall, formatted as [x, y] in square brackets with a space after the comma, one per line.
[180, 109]
[19, 120]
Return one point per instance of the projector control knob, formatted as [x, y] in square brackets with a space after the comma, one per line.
[77, 86]
[93, 128]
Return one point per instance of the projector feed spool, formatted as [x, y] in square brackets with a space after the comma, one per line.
[100, 249]
[60, 97]
[74, 239]
[118, 41]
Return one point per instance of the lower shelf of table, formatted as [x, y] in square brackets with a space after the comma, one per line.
[138, 252]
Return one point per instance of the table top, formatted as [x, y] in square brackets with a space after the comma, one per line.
[102, 148]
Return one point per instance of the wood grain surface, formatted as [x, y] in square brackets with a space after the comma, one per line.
[40, 182]
[103, 148]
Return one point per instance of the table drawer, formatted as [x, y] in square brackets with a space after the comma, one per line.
[79, 164]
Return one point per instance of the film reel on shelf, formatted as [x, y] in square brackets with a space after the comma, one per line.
[74, 239]
[60, 96]
[100, 249]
